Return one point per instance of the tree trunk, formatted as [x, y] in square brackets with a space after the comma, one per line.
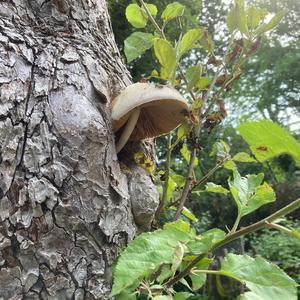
[66, 205]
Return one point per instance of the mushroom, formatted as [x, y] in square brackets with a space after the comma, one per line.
[146, 110]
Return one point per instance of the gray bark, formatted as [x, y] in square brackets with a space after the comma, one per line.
[67, 206]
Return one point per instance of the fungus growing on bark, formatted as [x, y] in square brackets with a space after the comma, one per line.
[146, 110]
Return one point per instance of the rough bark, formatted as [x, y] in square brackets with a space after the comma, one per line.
[65, 200]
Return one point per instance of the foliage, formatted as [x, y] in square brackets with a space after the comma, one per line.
[172, 263]
[279, 248]
[254, 273]
[267, 140]
[270, 87]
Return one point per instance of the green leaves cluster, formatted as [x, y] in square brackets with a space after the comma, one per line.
[250, 21]
[268, 140]
[264, 280]
[249, 193]
[167, 53]
[162, 252]
[153, 258]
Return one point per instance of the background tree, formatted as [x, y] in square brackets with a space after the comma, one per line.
[65, 203]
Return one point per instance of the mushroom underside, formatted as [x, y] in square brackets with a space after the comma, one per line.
[155, 120]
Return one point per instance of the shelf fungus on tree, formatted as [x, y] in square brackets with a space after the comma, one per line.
[146, 110]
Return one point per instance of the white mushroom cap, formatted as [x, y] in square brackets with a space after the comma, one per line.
[162, 109]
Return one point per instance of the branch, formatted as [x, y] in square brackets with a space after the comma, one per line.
[232, 236]
[188, 182]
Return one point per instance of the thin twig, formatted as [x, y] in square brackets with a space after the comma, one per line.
[290, 232]
[208, 174]
[161, 32]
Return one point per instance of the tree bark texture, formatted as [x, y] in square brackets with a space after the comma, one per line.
[67, 205]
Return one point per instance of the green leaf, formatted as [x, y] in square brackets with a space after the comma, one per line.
[231, 20]
[183, 130]
[236, 18]
[166, 55]
[214, 188]
[186, 153]
[185, 283]
[254, 16]
[243, 157]
[193, 75]
[182, 296]
[189, 39]
[248, 192]
[178, 179]
[152, 9]
[124, 295]
[177, 257]
[203, 83]
[267, 140]
[170, 189]
[172, 11]
[164, 273]
[265, 280]
[136, 44]
[241, 17]
[187, 213]
[198, 103]
[230, 165]
[220, 149]
[199, 279]
[146, 253]
[206, 241]
[272, 23]
[135, 16]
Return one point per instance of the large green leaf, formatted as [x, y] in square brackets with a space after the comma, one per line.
[272, 23]
[152, 9]
[243, 157]
[172, 11]
[248, 192]
[182, 296]
[215, 188]
[267, 140]
[136, 15]
[265, 280]
[166, 55]
[189, 39]
[204, 242]
[136, 44]
[146, 253]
